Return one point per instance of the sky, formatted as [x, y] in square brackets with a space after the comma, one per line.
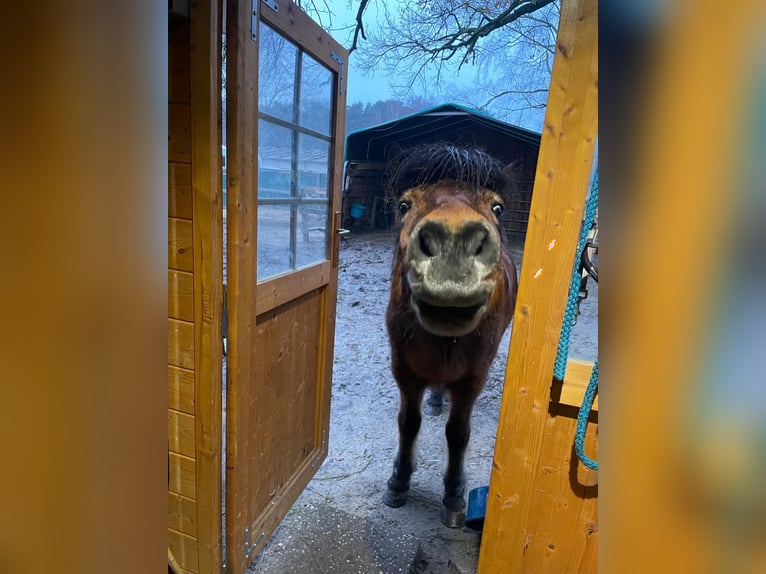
[365, 89]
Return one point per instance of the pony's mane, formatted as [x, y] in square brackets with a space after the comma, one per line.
[430, 163]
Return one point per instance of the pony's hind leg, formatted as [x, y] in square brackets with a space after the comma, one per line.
[434, 403]
[409, 424]
[458, 432]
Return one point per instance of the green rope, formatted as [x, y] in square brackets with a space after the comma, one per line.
[574, 288]
[582, 419]
[566, 330]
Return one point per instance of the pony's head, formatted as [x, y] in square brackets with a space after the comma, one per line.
[448, 201]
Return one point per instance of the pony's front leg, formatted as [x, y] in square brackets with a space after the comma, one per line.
[409, 424]
[458, 432]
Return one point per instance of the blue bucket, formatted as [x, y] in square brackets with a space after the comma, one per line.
[477, 508]
[357, 210]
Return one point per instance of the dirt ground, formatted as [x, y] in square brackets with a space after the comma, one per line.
[363, 438]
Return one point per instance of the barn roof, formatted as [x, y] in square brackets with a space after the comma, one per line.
[430, 124]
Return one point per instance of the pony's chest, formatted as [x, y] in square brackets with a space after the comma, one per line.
[444, 362]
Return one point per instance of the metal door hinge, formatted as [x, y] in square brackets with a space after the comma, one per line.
[318, 457]
[250, 548]
[340, 61]
[272, 4]
[225, 318]
[254, 20]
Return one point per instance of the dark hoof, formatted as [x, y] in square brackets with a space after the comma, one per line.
[394, 499]
[453, 518]
[434, 403]
[432, 410]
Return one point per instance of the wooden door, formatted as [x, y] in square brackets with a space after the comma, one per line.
[285, 134]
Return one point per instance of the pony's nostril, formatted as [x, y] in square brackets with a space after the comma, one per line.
[476, 241]
[425, 248]
[430, 239]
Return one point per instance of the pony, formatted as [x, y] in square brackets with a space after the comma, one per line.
[453, 291]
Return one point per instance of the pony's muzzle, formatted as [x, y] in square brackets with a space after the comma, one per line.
[452, 273]
[453, 268]
[435, 239]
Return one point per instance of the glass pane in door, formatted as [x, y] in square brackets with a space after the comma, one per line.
[276, 74]
[316, 96]
[275, 160]
[312, 239]
[274, 252]
[313, 167]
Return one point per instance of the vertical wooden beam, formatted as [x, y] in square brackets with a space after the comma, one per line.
[182, 464]
[517, 512]
[208, 276]
[242, 232]
[327, 336]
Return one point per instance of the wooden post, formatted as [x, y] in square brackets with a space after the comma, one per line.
[541, 510]
[241, 222]
[208, 273]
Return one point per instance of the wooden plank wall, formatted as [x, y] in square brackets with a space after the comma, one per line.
[542, 508]
[182, 489]
[195, 289]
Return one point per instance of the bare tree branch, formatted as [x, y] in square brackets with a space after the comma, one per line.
[359, 25]
[317, 12]
[466, 38]
[446, 46]
[512, 92]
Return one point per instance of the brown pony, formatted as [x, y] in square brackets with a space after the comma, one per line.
[453, 289]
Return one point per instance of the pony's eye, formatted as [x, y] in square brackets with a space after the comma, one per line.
[404, 206]
[497, 209]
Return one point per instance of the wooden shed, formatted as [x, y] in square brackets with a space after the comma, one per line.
[368, 150]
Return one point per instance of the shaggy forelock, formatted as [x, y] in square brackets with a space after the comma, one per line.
[431, 163]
